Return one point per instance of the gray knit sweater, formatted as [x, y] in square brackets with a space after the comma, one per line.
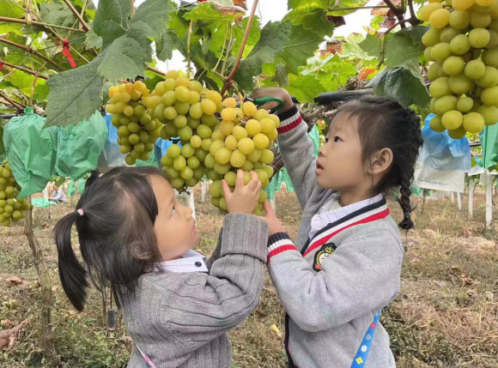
[182, 319]
[333, 283]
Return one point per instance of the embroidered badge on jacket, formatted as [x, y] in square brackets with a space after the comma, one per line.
[322, 254]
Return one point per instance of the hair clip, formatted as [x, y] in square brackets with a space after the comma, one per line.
[80, 211]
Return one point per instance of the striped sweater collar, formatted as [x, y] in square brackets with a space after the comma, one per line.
[343, 218]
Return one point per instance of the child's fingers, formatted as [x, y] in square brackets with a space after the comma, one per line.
[225, 188]
[269, 210]
[239, 183]
[254, 177]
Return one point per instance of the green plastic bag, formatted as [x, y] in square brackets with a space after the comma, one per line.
[30, 150]
[150, 162]
[79, 147]
[81, 186]
[489, 142]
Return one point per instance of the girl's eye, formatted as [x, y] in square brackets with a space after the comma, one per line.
[326, 140]
[337, 139]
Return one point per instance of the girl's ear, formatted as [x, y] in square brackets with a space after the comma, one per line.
[381, 161]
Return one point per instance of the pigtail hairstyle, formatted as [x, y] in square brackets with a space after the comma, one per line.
[384, 123]
[114, 219]
[71, 272]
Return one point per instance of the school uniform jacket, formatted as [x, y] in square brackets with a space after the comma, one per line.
[332, 284]
[179, 318]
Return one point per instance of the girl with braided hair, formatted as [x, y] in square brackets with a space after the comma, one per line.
[345, 265]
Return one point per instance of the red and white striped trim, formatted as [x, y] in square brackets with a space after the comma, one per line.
[370, 216]
[290, 123]
[280, 246]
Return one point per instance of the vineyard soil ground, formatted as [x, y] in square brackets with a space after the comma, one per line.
[445, 316]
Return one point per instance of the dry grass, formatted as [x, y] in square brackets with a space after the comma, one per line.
[445, 316]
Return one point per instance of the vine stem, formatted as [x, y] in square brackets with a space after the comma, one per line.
[13, 103]
[189, 55]
[32, 91]
[229, 80]
[31, 51]
[77, 15]
[334, 10]
[157, 71]
[26, 70]
[132, 3]
[399, 13]
[40, 24]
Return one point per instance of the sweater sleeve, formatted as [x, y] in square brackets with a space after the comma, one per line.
[202, 306]
[361, 276]
[297, 152]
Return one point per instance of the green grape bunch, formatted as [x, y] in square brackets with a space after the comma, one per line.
[137, 130]
[462, 45]
[12, 209]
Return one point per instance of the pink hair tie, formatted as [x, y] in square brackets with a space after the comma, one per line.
[80, 211]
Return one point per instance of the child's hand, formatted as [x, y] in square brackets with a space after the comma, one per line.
[273, 92]
[244, 198]
[274, 223]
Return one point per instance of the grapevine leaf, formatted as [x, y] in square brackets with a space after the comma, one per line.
[128, 55]
[300, 45]
[304, 88]
[281, 75]
[93, 40]
[169, 41]
[111, 20]
[415, 33]
[253, 38]
[339, 68]
[74, 95]
[7, 27]
[153, 15]
[24, 82]
[273, 37]
[151, 82]
[403, 85]
[371, 45]
[206, 13]
[10, 10]
[58, 14]
[347, 4]
[269, 70]
[312, 15]
[352, 47]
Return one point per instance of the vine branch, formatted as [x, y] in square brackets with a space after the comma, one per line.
[39, 24]
[17, 105]
[399, 13]
[229, 80]
[30, 51]
[26, 70]
[189, 41]
[77, 15]
[157, 71]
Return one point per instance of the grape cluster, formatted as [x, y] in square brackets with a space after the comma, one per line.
[462, 42]
[137, 130]
[11, 208]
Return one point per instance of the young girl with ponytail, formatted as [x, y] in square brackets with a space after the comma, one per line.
[136, 237]
[346, 263]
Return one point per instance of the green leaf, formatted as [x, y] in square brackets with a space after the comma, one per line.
[57, 14]
[22, 81]
[9, 10]
[206, 13]
[7, 27]
[347, 4]
[415, 33]
[312, 15]
[339, 68]
[403, 85]
[253, 38]
[352, 47]
[304, 87]
[168, 42]
[151, 82]
[93, 40]
[127, 56]
[273, 37]
[281, 75]
[111, 20]
[301, 45]
[74, 95]
[152, 16]
[215, 78]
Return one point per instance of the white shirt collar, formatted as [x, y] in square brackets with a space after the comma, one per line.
[325, 217]
[191, 261]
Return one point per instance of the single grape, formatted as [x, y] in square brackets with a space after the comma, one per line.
[249, 109]
[215, 201]
[188, 151]
[254, 156]
[215, 146]
[441, 51]
[261, 141]
[228, 114]
[226, 127]
[182, 93]
[231, 178]
[489, 113]
[460, 45]
[433, 72]
[177, 183]
[182, 107]
[187, 173]
[222, 169]
[480, 20]
[170, 113]
[462, 4]
[436, 124]
[473, 122]
[490, 77]
[246, 146]
[452, 119]
[448, 34]
[180, 121]
[465, 104]
[144, 156]
[459, 19]
[453, 65]
[458, 133]
[267, 125]
[479, 38]
[460, 84]
[179, 163]
[475, 69]
[159, 111]
[174, 151]
[169, 98]
[439, 18]
[213, 175]
[199, 172]
[209, 161]
[230, 102]
[490, 96]
[253, 127]
[208, 106]
[222, 155]
[130, 160]
[218, 136]
[248, 165]
[440, 87]
[185, 133]
[237, 159]
[431, 37]
[427, 10]
[266, 156]
[490, 57]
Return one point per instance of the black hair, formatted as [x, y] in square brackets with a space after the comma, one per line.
[115, 223]
[384, 123]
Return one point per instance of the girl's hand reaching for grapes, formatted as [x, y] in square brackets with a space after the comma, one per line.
[244, 198]
[274, 224]
[273, 92]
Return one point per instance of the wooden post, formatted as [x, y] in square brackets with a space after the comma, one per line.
[459, 201]
[489, 204]
[203, 191]
[46, 288]
[452, 197]
[471, 198]
[424, 198]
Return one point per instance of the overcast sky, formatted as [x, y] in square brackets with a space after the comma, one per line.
[275, 10]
